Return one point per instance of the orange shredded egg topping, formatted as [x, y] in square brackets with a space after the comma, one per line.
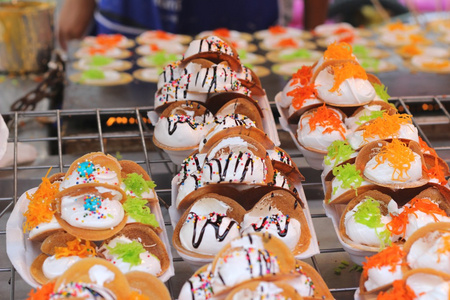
[417, 38]
[436, 172]
[446, 245]
[301, 93]
[109, 40]
[411, 50]
[398, 156]
[161, 34]
[400, 291]
[42, 293]
[348, 38]
[436, 65]
[345, 71]
[289, 42]
[391, 256]
[385, 127]
[221, 32]
[399, 222]
[153, 47]
[137, 296]
[302, 76]
[97, 50]
[425, 148]
[338, 51]
[277, 29]
[40, 207]
[328, 119]
[75, 248]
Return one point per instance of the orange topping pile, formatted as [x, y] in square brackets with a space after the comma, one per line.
[338, 51]
[40, 207]
[303, 76]
[162, 35]
[301, 93]
[396, 26]
[224, 32]
[97, 50]
[347, 38]
[42, 293]
[289, 42]
[417, 38]
[436, 65]
[109, 40]
[153, 47]
[277, 29]
[411, 50]
[400, 291]
[328, 119]
[75, 248]
[345, 71]
[399, 222]
[398, 156]
[391, 256]
[385, 127]
[425, 148]
[436, 172]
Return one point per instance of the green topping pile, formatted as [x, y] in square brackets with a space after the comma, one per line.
[92, 74]
[136, 208]
[300, 53]
[338, 152]
[100, 61]
[360, 51]
[162, 58]
[128, 252]
[373, 115]
[348, 175]
[136, 184]
[381, 91]
[242, 54]
[370, 63]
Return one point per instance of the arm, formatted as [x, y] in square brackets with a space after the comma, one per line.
[74, 19]
[315, 13]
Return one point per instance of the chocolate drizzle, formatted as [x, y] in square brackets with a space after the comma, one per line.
[273, 219]
[229, 161]
[213, 219]
[173, 124]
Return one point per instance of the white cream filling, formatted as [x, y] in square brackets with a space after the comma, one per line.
[100, 274]
[44, 227]
[100, 174]
[424, 253]
[428, 286]
[317, 139]
[386, 174]
[264, 290]
[210, 44]
[54, 267]
[381, 276]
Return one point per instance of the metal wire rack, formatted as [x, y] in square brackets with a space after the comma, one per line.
[50, 133]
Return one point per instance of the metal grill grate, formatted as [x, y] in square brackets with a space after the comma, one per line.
[14, 180]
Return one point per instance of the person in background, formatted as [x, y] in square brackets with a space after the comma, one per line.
[133, 17]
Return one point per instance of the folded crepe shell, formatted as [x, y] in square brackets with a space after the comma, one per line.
[328, 63]
[198, 285]
[108, 191]
[86, 270]
[311, 279]
[234, 212]
[214, 49]
[384, 106]
[436, 168]
[36, 269]
[381, 198]
[266, 257]
[58, 239]
[423, 233]
[146, 236]
[97, 158]
[148, 285]
[253, 84]
[278, 213]
[245, 107]
[262, 289]
[370, 150]
[215, 102]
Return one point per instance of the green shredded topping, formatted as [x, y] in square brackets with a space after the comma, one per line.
[373, 115]
[118, 155]
[92, 74]
[381, 91]
[370, 63]
[349, 176]
[242, 54]
[368, 213]
[100, 61]
[338, 152]
[300, 53]
[128, 252]
[136, 208]
[250, 66]
[162, 58]
[360, 51]
[136, 184]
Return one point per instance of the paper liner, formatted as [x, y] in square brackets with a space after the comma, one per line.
[380, 197]
[235, 212]
[371, 149]
[22, 252]
[244, 107]
[125, 78]
[125, 65]
[288, 292]
[321, 289]
[175, 214]
[129, 167]
[58, 239]
[79, 272]
[4, 133]
[148, 238]
[148, 285]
